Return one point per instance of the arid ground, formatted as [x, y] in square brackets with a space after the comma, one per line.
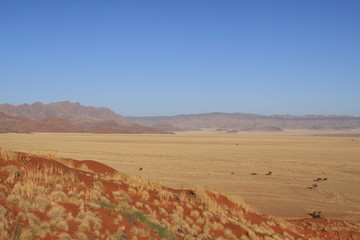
[228, 163]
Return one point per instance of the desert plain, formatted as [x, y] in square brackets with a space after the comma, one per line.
[237, 164]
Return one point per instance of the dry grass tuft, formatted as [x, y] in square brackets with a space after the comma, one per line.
[165, 195]
[145, 195]
[81, 236]
[56, 211]
[8, 155]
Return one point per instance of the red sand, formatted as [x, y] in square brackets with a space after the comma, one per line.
[128, 225]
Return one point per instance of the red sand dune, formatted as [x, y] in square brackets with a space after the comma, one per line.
[44, 198]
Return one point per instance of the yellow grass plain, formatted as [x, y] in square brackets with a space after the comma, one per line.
[225, 162]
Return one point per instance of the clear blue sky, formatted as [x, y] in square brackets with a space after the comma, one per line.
[144, 58]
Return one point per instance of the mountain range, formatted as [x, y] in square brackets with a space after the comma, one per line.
[253, 122]
[64, 109]
[66, 117]
[74, 117]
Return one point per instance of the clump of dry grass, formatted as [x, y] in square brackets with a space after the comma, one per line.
[84, 167]
[26, 234]
[95, 193]
[118, 219]
[4, 227]
[202, 198]
[183, 197]
[62, 224]
[65, 236]
[121, 196]
[98, 185]
[139, 204]
[145, 195]
[13, 173]
[81, 236]
[162, 211]
[27, 189]
[88, 219]
[8, 155]
[47, 173]
[41, 230]
[238, 202]
[229, 234]
[150, 184]
[120, 177]
[132, 190]
[165, 195]
[56, 211]
[69, 177]
[195, 213]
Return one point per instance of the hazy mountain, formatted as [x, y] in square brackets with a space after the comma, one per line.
[10, 124]
[73, 117]
[62, 110]
[244, 121]
[21, 124]
[66, 117]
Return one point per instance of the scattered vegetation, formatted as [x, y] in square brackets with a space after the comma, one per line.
[61, 198]
[314, 186]
[315, 214]
[320, 179]
[8, 155]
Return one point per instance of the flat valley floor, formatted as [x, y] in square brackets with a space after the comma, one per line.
[232, 163]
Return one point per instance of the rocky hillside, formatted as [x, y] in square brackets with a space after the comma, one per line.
[10, 124]
[243, 121]
[63, 110]
[47, 197]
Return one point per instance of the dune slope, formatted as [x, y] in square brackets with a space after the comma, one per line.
[53, 198]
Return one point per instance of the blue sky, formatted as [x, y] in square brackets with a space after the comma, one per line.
[143, 58]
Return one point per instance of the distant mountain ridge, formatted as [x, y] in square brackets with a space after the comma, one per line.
[245, 121]
[64, 109]
[66, 117]
[73, 117]
[10, 124]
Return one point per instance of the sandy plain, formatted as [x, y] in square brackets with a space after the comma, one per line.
[226, 162]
